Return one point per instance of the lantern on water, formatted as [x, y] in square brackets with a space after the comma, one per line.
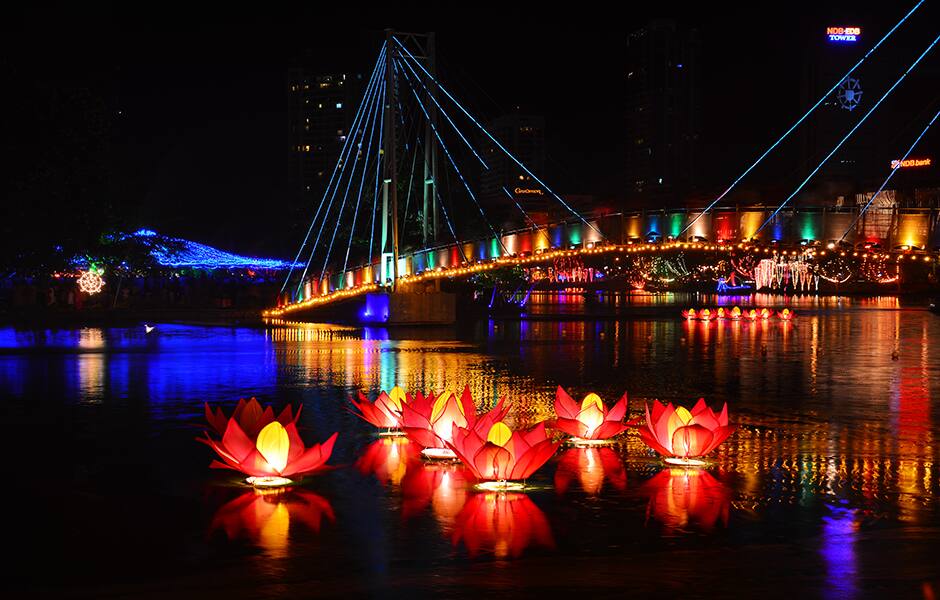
[682, 435]
[499, 456]
[590, 421]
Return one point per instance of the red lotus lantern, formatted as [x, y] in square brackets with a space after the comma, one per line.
[388, 459]
[680, 498]
[504, 455]
[765, 314]
[786, 314]
[443, 486]
[590, 421]
[385, 411]
[705, 314]
[504, 524]
[735, 313]
[751, 315]
[591, 467]
[680, 435]
[269, 451]
[689, 314]
[720, 313]
[429, 421]
[266, 516]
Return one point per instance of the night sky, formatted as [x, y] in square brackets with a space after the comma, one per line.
[197, 100]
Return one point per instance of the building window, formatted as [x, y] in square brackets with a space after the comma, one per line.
[339, 105]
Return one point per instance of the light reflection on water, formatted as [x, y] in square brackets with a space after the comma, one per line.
[836, 434]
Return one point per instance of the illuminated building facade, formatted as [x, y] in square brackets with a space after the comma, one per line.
[320, 111]
[505, 182]
[663, 111]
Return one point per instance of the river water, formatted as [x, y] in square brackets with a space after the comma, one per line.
[828, 487]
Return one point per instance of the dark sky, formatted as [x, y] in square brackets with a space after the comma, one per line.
[199, 101]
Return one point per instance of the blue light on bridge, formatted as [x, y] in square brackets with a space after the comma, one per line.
[376, 309]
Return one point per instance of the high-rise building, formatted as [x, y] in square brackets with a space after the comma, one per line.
[321, 109]
[663, 112]
[524, 136]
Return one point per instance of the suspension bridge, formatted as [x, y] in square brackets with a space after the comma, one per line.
[400, 212]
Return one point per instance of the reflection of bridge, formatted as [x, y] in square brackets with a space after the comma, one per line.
[411, 140]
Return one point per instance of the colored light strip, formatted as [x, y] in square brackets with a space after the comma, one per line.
[803, 118]
[851, 131]
[890, 175]
[495, 141]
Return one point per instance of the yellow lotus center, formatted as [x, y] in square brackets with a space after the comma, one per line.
[499, 434]
[441, 403]
[706, 312]
[684, 414]
[274, 444]
[736, 311]
[691, 312]
[397, 396]
[786, 311]
[594, 399]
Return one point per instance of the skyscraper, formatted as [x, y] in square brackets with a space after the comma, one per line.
[524, 136]
[663, 112]
[321, 109]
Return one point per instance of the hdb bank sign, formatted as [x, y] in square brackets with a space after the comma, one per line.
[843, 34]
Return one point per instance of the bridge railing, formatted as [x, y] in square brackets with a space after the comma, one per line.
[886, 228]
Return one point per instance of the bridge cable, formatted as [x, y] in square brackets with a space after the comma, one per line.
[801, 119]
[350, 138]
[849, 134]
[498, 144]
[452, 162]
[894, 169]
[330, 184]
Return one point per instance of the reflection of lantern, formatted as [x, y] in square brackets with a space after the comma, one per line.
[504, 524]
[680, 498]
[505, 455]
[277, 451]
[681, 434]
[591, 466]
[442, 485]
[590, 420]
[266, 516]
[388, 459]
[385, 411]
[430, 421]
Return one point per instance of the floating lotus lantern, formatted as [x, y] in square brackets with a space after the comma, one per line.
[429, 421]
[266, 449]
[721, 313]
[266, 516]
[705, 314]
[689, 314]
[682, 436]
[388, 458]
[503, 456]
[591, 467]
[385, 411]
[765, 314]
[504, 524]
[589, 422]
[680, 498]
[751, 315]
[735, 313]
[786, 314]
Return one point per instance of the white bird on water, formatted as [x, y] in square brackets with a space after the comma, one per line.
[149, 328]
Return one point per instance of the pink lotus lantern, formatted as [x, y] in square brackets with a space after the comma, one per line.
[265, 517]
[680, 498]
[388, 459]
[680, 435]
[689, 314]
[269, 451]
[590, 421]
[765, 314]
[751, 315]
[504, 524]
[504, 456]
[786, 314]
[705, 314]
[429, 421]
[385, 411]
[721, 313]
[735, 313]
[591, 467]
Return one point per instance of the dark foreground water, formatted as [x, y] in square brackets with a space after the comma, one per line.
[828, 489]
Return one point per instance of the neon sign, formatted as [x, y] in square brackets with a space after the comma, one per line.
[911, 162]
[529, 191]
[843, 34]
